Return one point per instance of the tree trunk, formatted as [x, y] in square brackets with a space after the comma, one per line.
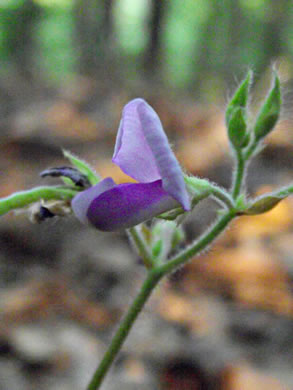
[94, 25]
[152, 57]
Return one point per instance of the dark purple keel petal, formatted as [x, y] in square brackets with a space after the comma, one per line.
[127, 205]
[81, 202]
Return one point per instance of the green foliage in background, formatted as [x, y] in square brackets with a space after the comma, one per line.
[201, 43]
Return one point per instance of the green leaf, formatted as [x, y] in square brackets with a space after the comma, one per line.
[83, 167]
[240, 98]
[270, 111]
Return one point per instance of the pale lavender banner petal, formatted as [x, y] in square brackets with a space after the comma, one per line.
[166, 162]
[129, 204]
[81, 202]
[132, 152]
[143, 152]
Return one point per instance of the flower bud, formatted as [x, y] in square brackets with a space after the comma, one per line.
[270, 111]
[76, 177]
[237, 129]
[240, 98]
[166, 235]
[82, 167]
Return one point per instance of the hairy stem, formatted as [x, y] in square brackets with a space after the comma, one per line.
[141, 246]
[201, 189]
[125, 326]
[250, 150]
[285, 191]
[206, 239]
[222, 196]
[239, 175]
[154, 276]
[25, 198]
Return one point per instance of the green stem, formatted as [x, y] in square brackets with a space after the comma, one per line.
[250, 150]
[141, 246]
[242, 158]
[223, 196]
[285, 191]
[201, 189]
[149, 284]
[206, 239]
[25, 198]
[239, 175]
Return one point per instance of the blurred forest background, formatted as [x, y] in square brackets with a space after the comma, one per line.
[67, 68]
[198, 46]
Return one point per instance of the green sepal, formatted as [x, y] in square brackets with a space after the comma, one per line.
[267, 202]
[270, 111]
[240, 97]
[237, 128]
[263, 205]
[198, 187]
[83, 167]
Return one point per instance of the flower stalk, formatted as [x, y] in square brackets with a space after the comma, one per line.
[22, 199]
[151, 281]
[141, 246]
[153, 278]
[238, 175]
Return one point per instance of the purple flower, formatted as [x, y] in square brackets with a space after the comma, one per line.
[142, 151]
